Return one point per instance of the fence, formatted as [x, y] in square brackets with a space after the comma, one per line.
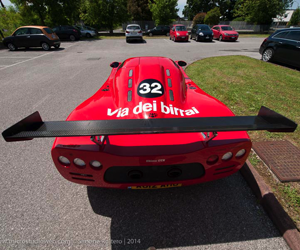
[237, 25]
[240, 25]
[145, 25]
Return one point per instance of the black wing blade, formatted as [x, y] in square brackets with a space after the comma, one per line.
[33, 126]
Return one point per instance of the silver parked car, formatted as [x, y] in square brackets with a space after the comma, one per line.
[87, 32]
[133, 32]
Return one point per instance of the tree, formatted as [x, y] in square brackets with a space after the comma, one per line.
[2, 5]
[139, 10]
[261, 11]
[68, 11]
[48, 12]
[104, 13]
[295, 19]
[227, 9]
[10, 19]
[213, 16]
[163, 11]
[193, 7]
[199, 18]
[32, 11]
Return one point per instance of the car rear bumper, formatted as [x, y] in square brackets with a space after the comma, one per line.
[134, 37]
[205, 38]
[152, 171]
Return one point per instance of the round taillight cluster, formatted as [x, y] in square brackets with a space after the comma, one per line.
[227, 156]
[95, 164]
[240, 153]
[78, 162]
[213, 159]
[64, 160]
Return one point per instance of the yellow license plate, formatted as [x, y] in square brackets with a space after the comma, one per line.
[156, 186]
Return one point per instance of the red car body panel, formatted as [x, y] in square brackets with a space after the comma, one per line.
[230, 35]
[124, 96]
[179, 35]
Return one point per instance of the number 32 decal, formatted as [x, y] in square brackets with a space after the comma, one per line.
[150, 88]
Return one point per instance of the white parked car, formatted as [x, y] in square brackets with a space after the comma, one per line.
[86, 32]
[133, 32]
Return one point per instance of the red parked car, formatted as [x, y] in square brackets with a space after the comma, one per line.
[179, 33]
[149, 126]
[225, 32]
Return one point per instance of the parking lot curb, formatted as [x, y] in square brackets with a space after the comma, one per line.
[272, 206]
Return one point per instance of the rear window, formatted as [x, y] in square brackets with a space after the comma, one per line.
[281, 34]
[48, 30]
[180, 28]
[293, 35]
[226, 28]
[204, 28]
[133, 27]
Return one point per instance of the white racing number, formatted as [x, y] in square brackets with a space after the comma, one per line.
[150, 88]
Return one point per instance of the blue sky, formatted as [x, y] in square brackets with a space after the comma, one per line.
[181, 4]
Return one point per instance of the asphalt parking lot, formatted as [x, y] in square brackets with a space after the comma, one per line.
[40, 209]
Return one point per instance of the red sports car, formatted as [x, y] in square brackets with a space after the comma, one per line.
[225, 32]
[149, 126]
[179, 33]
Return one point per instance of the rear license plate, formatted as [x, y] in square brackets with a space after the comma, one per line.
[156, 186]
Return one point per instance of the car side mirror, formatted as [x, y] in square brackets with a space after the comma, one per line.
[114, 64]
[182, 63]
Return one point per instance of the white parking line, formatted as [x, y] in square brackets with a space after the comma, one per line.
[26, 60]
[30, 58]
[15, 57]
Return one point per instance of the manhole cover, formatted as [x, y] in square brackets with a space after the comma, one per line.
[282, 157]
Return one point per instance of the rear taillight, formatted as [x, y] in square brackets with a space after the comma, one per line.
[140, 31]
[266, 39]
[127, 31]
[75, 30]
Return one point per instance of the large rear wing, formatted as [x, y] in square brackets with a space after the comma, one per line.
[33, 126]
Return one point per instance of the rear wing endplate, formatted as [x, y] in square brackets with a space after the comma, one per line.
[33, 126]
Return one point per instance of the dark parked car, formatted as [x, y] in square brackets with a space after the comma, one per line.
[159, 30]
[202, 32]
[282, 46]
[32, 36]
[67, 32]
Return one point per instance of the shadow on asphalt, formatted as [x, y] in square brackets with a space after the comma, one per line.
[136, 41]
[215, 212]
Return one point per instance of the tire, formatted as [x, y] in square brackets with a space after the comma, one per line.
[57, 46]
[45, 46]
[11, 47]
[72, 37]
[88, 35]
[150, 34]
[170, 38]
[197, 38]
[220, 38]
[267, 55]
[126, 40]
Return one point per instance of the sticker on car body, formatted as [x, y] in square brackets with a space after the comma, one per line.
[156, 186]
